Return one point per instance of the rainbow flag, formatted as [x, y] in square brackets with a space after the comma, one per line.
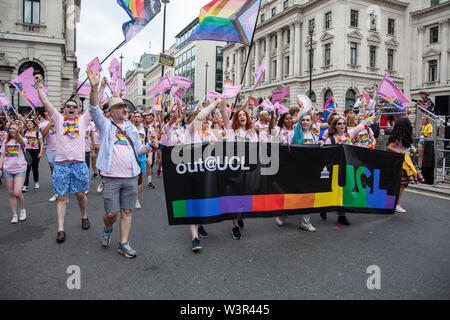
[141, 13]
[228, 20]
[121, 140]
[12, 151]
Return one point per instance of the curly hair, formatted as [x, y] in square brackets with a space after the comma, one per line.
[402, 132]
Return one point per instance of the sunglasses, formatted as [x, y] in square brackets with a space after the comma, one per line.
[71, 106]
[341, 123]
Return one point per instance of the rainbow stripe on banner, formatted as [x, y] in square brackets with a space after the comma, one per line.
[339, 196]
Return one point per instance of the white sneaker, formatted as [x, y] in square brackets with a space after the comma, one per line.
[36, 185]
[100, 188]
[399, 209]
[86, 192]
[14, 219]
[138, 204]
[23, 215]
[54, 198]
[24, 189]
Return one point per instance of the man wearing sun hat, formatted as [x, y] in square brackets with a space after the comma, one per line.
[70, 173]
[118, 163]
[426, 101]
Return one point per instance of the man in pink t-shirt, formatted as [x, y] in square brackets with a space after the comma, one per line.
[48, 131]
[70, 174]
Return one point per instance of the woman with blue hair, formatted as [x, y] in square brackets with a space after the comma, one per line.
[301, 135]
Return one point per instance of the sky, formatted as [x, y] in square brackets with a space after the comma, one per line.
[100, 31]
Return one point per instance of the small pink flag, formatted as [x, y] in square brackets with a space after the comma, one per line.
[114, 69]
[279, 95]
[231, 91]
[213, 95]
[4, 101]
[267, 105]
[162, 87]
[181, 82]
[389, 92]
[259, 73]
[24, 83]
[282, 109]
[95, 66]
[85, 89]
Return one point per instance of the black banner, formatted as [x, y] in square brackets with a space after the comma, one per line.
[223, 181]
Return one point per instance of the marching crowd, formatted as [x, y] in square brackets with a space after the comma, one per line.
[122, 148]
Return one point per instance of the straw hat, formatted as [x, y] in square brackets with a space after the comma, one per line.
[424, 92]
[115, 102]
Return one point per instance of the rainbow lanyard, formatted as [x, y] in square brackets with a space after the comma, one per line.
[348, 140]
[71, 130]
[12, 151]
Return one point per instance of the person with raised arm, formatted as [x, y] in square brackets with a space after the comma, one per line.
[70, 174]
[118, 164]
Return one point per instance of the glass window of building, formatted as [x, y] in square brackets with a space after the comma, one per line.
[263, 17]
[373, 52]
[433, 70]
[31, 11]
[353, 53]
[349, 98]
[328, 18]
[391, 27]
[434, 35]
[286, 4]
[327, 96]
[327, 54]
[274, 12]
[354, 18]
[390, 59]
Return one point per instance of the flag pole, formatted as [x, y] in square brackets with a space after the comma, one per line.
[109, 55]
[249, 51]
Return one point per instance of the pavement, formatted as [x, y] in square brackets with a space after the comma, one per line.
[412, 252]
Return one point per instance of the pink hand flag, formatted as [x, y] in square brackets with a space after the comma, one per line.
[85, 89]
[389, 92]
[281, 108]
[161, 87]
[181, 82]
[4, 102]
[213, 94]
[95, 66]
[231, 91]
[279, 95]
[24, 83]
[259, 73]
[114, 69]
[267, 105]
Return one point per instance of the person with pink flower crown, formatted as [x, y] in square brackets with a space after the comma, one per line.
[70, 174]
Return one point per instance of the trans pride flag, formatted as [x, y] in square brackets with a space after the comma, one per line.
[141, 13]
[228, 20]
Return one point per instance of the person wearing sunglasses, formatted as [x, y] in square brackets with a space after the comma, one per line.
[70, 174]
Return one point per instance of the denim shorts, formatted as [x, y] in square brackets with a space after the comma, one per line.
[70, 178]
[51, 157]
[17, 175]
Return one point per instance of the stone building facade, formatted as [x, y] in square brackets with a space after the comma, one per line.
[41, 34]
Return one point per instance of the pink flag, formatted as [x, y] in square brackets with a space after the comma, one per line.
[181, 82]
[231, 91]
[259, 73]
[85, 89]
[213, 94]
[95, 66]
[267, 105]
[279, 95]
[156, 108]
[24, 83]
[105, 99]
[4, 101]
[114, 69]
[281, 108]
[162, 87]
[177, 93]
[389, 92]
[366, 97]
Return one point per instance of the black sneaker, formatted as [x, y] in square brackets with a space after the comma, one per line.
[202, 232]
[95, 176]
[196, 246]
[241, 223]
[323, 215]
[344, 220]
[236, 233]
[151, 186]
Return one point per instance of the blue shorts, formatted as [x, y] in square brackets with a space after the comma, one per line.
[17, 175]
[70, 178]
[143, 166]
[51, 157]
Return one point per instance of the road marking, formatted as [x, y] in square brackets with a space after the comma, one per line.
[428, 194]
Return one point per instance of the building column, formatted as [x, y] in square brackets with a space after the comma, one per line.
[444, 52]
[248, 71]
[257, 54]
[268, 59]
[238, 67]
[420, 65]
[291, 49]
[297, 51]
[279, 54]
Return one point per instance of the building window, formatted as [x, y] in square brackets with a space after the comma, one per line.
[353, 53]
[286, 4]
[390, 59]
[263, 17]
[327, 96]
[144, 83]
[433, 70]
[274, 12]
[328, 20]
[143, 102]
[373, 56]
[288, 36]
[327, 54]
[434, 2]
[434, 35]
[144, 92]
[31, 11]
[391, 27]
[354, 18]
[349, 98]
[373, 22]
[228, 62]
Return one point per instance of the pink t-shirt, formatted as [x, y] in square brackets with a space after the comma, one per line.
[50, 137]
[240, 135]
[263, 134]
[68, 148]
[346, 138]
[32, 139]
[166, 131]
[121, 165]
[96, 134]
[14, 157]
[285, 135]
[87, 140]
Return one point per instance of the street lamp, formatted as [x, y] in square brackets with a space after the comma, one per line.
[12, 90]
[121, 58]
[311, 32]
[164, 33]
[206, 78]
